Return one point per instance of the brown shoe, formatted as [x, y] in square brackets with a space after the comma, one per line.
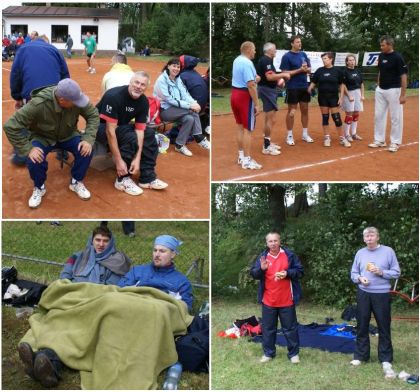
[44, 371]
[26, 355]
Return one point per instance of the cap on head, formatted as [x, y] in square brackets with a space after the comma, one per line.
[69, 90]
[169, 241]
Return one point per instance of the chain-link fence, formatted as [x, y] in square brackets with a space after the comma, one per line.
[39, 249]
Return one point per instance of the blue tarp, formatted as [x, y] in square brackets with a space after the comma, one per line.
[313, 336]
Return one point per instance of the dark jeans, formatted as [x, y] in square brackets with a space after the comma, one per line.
[128, 146]
[380, 305]
[289, 324]
[38, 171]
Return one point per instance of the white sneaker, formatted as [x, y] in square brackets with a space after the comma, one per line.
[327, 142]
[155, 184]
[184, 150]
[306, 138]
[290, 141]
[36, 198]
[240, 159]
[271, 150]
[265, 359]
[127, 185]
[251, 164]
[205, 144]
[89, 69]
[355, 362]
[92, 71]
[393, 147]
[295, 359]
[377, 144]
[388, 371]
[344, 142]
[80, 189]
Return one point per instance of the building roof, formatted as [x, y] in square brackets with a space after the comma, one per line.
[69, 12]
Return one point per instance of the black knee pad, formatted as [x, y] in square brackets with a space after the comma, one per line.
[337, 119]
[325, 118]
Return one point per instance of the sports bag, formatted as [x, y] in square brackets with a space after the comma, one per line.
[193, 348]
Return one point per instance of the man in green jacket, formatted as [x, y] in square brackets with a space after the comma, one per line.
[51, 117]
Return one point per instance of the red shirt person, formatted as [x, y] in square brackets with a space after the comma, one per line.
[278, 270]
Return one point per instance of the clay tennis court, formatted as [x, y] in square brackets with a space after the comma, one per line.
[187, 196]
[313, 162]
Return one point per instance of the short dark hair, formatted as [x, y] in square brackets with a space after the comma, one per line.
[294, 37]
[174, 60]
[389, 40]
[102, 230]
[330, 55]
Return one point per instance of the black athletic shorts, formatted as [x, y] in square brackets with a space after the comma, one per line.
[329, 100]
[296, 95]
[89, 55]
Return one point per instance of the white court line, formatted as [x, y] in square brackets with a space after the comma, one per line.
[310, 165]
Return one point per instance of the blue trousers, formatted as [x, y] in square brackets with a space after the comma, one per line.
[289, 324]
[38, 171]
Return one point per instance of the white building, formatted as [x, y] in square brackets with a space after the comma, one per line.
[58, 22]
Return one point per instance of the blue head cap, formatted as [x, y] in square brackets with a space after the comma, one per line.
[169, 241]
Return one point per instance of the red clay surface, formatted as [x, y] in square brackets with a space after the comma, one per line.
[187, 196]
[313, 162]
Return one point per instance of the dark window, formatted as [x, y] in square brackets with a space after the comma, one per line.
[59, 33]
[93, 30]
[19, 29]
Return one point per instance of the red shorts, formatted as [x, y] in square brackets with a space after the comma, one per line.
[243, 108]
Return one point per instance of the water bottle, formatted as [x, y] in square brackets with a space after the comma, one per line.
[173, 376]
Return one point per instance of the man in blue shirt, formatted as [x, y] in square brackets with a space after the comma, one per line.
[297, 64]
[244, 102]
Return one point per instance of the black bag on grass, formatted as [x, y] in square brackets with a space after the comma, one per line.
[8, 276]
[349, 313]
[32, 296]
[193, 348]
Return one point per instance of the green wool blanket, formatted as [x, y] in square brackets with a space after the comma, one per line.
[119, 338]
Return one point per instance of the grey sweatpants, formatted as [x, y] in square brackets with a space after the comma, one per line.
[189, 122]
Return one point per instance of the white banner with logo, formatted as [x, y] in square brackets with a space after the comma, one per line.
[315, 59]
[370, 59]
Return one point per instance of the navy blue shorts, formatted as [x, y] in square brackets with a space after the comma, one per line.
[268, 96]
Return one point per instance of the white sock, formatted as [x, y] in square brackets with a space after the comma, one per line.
[73, 181]
[305, 132]
[290, 133]
[241, 154]
[354, 127]
[346, 128]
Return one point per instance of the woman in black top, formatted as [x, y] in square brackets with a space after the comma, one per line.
[328, 80]
[353, 93]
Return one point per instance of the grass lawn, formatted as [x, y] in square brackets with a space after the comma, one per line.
[235, 363]
[220, 103]
[57, 244]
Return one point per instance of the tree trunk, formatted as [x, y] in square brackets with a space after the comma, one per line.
[300, 204]
[267, 22]
[322, 191]
[276, 194]
[293, 15]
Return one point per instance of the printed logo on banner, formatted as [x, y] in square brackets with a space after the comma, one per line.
[370, 59]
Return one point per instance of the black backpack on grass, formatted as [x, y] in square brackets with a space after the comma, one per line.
[193, 348]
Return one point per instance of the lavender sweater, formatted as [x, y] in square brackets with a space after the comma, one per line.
[383, 257]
